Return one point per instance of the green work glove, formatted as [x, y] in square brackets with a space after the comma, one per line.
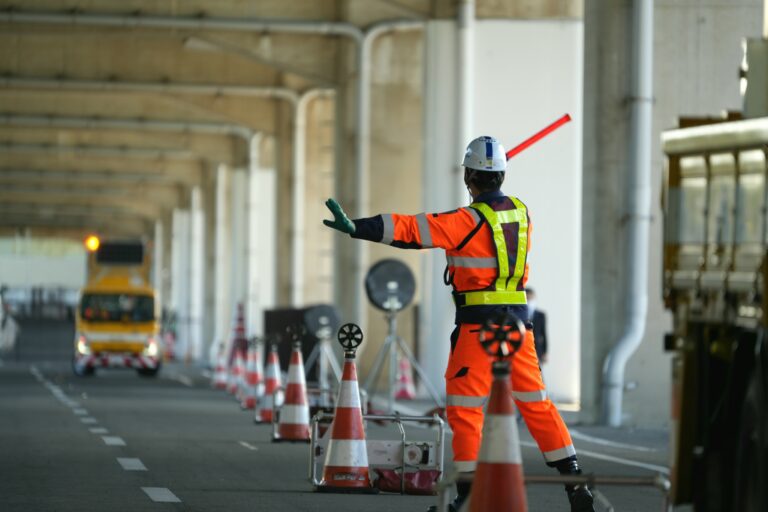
[340, 220]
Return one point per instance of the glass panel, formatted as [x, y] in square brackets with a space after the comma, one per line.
[118, 307]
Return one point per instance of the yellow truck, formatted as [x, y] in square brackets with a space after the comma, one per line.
[117, 325]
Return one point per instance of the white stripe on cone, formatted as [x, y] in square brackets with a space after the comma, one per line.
[500, 438]
[294, 414]
[347, 453]
[349, 395]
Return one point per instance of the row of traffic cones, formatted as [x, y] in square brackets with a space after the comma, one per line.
[498, 482]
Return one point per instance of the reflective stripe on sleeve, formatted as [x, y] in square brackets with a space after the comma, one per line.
[474, 214]
[470, 262]
[530, 396]
[560, 453]
[424, 234]
[389, 228]
[465, 401]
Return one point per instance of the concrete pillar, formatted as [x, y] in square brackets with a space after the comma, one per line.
[196, 274]
[223, 260]
[180, 270]
[158, 245]
[237, 275]
[262, 251]
[210, 341]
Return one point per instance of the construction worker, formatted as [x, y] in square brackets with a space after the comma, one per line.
[486, 245]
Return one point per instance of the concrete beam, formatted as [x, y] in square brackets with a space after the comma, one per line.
[132, 227]
[101, 151]
[132, 203]
[18, 175]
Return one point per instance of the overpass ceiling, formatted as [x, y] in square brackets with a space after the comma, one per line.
[60, 169]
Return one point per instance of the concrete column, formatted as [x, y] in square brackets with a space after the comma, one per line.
[180, 288]
[196, 275]
[210, 341]
[158, 245]
[262, 252]
[436, 313]
[223, 260]
[237, 276]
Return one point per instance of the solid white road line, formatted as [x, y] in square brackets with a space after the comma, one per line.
[248, 445]
[80, 412]
[88, 420]
[161, 494]
[113, 441]
[98, 430]
[610, 458]
[605, 442]
[131, 464]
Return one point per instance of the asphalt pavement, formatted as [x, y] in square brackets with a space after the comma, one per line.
[118, 441]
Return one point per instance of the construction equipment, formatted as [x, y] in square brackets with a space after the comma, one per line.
[716, 285]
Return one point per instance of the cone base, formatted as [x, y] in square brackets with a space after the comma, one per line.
[346, 490]
[286, 440]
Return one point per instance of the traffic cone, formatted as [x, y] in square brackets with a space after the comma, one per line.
[405, 389]
[346, 461]
[272, 382]
[253, 377]
[220, 373]
[498, 481]
[239, 347]
[236, 372]
[294, 414]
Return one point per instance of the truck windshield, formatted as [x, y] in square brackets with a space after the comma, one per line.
[117, 307]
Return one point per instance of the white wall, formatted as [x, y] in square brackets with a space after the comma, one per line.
[528, 73]
[42, 262]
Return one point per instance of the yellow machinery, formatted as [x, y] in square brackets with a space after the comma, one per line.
[116, 322]
[716, 285]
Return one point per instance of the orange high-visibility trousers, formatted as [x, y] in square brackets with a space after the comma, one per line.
[468, 382]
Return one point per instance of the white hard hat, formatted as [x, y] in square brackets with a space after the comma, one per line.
[485, 154]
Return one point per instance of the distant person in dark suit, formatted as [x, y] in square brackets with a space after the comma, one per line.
[539, 320]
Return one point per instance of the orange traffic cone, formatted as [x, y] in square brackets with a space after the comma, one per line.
[253, 377]
[239, 347]
[346, 461]
[220, 373]
[272, 382]
[498, 482]
[405, 389]
[236, 372]
[294, 414]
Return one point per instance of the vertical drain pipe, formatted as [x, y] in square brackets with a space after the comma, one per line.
[465, 94]
[638, 215]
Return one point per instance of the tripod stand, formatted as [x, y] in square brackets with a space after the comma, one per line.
[391, 343]
[323, 355]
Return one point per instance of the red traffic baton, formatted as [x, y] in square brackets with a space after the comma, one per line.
[533, 139]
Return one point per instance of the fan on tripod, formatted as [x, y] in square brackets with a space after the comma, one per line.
[390, 287]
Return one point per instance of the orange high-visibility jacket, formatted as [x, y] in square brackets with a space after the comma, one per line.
[486, 246]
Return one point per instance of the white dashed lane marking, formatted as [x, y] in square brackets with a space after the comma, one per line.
[248, 445]
[98, 430]
[113, 441]
[131, 464]
[161, 494]
[88, 420]
[80, 412]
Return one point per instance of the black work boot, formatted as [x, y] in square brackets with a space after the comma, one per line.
[580, 498]
[463, 492]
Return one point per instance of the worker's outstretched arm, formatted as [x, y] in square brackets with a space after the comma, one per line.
[423, 231]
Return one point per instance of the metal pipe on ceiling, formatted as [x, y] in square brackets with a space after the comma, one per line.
[105, 151]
